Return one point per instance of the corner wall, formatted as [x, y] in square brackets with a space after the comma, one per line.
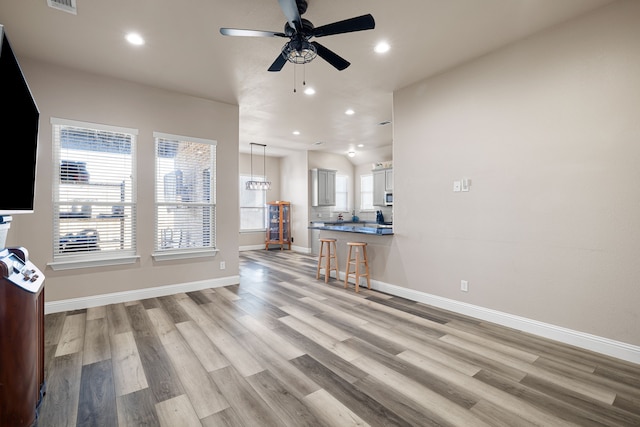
[547, 130]
[294, 182]
[75, 95]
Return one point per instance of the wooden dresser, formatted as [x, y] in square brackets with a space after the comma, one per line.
[22, 384]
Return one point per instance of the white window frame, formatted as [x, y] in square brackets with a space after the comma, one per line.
[197, 245]
[262, 206]
[101, 194]
[366, 189]
[342, 195]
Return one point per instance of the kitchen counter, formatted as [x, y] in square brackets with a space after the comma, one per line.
[363, 227]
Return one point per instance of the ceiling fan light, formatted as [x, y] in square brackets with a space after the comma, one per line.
[302, 55]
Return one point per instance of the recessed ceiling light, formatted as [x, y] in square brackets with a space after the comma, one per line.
[135, 38]
[349, 112]
[318, 143]
[360, 145]
[352, 153]
[382, 47]
[296, 132]
[310, 91]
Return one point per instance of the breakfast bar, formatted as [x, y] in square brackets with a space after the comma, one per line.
[378, 238]
[363, 227]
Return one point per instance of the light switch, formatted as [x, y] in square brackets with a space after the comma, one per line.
[456, 186]
[465, 184]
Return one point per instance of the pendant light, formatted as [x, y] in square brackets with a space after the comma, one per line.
[259, 185]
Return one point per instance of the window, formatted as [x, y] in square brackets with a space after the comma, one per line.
[366, 192]
[185, 195]
[342, 193]
[94, 200]
[252, 206]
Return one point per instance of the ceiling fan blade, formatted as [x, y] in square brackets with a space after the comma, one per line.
[290, 10]
[249, 33]
[331, 57]
[278, 63]
[359, 23]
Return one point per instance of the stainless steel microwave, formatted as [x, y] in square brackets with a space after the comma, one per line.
[388, 198]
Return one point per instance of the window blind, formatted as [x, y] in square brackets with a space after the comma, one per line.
[93, 190]
[342, 193]
[185, 193]
[366, 192]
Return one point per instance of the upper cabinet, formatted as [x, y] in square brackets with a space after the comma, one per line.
[323, 187]
[388, 180]
[382, 183]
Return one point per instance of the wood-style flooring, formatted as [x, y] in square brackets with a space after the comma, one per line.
[285, 349]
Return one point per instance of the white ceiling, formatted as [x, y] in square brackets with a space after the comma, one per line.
[185, 52]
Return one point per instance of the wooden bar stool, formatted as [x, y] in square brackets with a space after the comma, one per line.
[360, 263]
[328, 251]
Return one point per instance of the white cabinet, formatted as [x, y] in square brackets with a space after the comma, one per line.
[388, 179]
[382, 183]
[323, 187]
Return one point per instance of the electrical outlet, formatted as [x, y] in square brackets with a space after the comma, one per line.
[223, 265]
[464, 286]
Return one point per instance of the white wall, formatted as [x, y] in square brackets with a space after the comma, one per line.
[72, 94]
[548, 131]
[294, 179]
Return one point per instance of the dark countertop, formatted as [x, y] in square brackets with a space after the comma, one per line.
[363, 227]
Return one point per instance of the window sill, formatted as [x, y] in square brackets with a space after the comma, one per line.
[71, 264]
[170, 255]
[257, 230]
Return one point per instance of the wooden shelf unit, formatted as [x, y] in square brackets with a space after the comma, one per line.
[278, 224]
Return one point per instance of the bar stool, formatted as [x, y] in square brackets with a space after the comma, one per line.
[360, 263]
[328, 251]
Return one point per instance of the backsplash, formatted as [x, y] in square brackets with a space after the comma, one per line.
[326, 213]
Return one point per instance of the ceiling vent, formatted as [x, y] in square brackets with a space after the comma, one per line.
[64, 5]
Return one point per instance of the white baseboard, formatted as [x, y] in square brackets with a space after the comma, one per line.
[251, 247]
[583, 340]
[294, 248]
[137, 294]
[301, 249]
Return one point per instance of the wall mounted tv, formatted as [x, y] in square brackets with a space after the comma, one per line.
[19, 135]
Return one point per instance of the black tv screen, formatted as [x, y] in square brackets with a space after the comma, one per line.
[18, 135]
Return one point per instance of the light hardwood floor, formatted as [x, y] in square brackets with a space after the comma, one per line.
[285, 349]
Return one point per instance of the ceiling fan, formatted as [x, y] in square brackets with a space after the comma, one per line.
[299, 50]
